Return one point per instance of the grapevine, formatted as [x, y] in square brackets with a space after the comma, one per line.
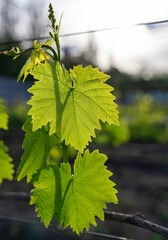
[66, 108]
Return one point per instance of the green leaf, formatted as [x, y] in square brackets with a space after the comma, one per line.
[5, 164]
[74, 199]
[3, 116]
[25, 70]
[14, 52]
[37, 146]
[72, 102]
[37, 55]
[48, 186]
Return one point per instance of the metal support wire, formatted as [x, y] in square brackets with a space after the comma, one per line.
[133, 219]
[85, 32]
[58, 231]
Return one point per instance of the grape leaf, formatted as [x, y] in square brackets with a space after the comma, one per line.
[38, 55]
[3, 116]
[47, 183]
[25, 70]
[74, 199]
[72, 102]
[5, 164]
[14, 52]
[37, 146]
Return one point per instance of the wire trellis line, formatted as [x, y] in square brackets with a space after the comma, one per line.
[133, 219]
[84, 32]
[58, 230]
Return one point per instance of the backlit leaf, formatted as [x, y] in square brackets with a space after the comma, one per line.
[14, 52]
[74, 199]
[6, 167]
[47, 183]
[3, 116]
[72, 102]
[37, 55]
[37, 146]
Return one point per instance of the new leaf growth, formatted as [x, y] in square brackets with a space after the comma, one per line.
[66, 108]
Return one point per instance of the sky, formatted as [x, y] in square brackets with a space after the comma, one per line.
[134, 50]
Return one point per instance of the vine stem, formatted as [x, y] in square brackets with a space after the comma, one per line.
[137, 220]
[25, 51]
[52, 50]
[58, 46]
[54, 57]
[65, 152]
[49, 54]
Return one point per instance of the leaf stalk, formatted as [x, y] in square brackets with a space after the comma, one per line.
[65, 152]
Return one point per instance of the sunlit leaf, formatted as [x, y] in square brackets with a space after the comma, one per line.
[6, 167]
[37, 146]
[37, 56]
[3, 116]
[72, 102]
[14, 52]
[75, 199]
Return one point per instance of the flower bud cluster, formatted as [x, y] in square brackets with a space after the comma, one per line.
[51, 16]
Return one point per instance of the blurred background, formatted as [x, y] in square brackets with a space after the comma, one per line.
[136, 58]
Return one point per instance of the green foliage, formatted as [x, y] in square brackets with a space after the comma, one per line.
[37, 146]
[135, 125]
[5, 164]
[17, 115]
[73, 103]
[163, 135]
[74, 199]
[142, 121]
[12, 53]
[3, 116]
[5, 160]
[156, 237]
[115, 135]
[47, 189]
[128, 84]
[145, 119]
[38, 55]
[143, 131]
[66, 108]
